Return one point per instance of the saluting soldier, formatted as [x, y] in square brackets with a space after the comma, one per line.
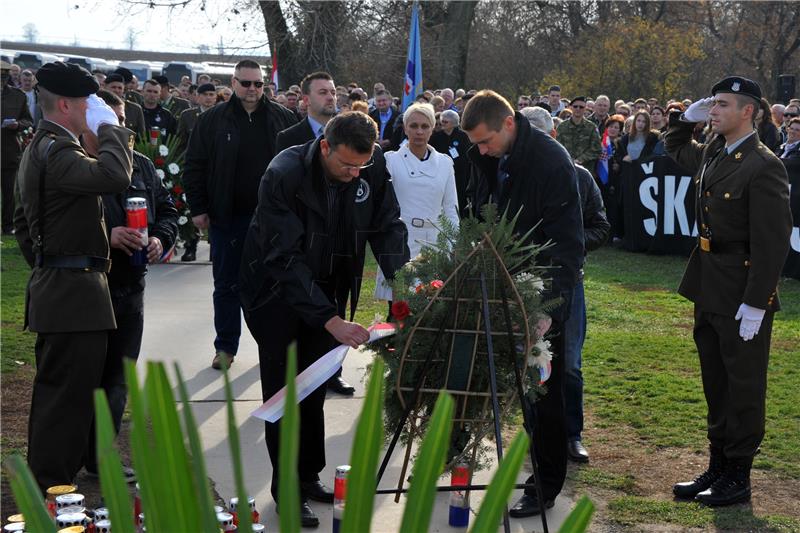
[744, 219]
[60, 228]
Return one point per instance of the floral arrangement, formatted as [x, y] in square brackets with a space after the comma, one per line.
[440, 340]
[24, 137]
[167, 157]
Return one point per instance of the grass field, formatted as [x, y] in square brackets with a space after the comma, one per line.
[643, 395]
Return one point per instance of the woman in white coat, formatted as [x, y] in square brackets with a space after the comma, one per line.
[425, 185]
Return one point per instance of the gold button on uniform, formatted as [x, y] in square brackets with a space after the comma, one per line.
[727, 195]
[708, 193]
[705, 209]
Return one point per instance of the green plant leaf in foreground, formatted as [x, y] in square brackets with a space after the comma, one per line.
[174, 490]
[112, 481]
[367, 445]
[202, 490]
[288, 484]
[243, 510]
[28, 496]
[494, 501]
[578, 520]
[428, 467]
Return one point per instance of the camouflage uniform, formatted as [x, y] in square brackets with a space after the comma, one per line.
[581, 141]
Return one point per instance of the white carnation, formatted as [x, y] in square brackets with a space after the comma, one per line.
[173, 168]
[160, 174]
[163, 150]
[182, 220]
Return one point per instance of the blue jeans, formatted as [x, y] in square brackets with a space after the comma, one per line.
[574, 335]
[227, 241]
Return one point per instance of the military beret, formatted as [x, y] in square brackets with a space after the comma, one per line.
[544, 105]
[206, 87]
[577, 99]
[162, 80]
[66, 79]
[111, 78]
[126, 74]
[737, 85]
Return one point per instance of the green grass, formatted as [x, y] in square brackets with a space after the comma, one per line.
[592, 477]
[15, 344]
[633, 510]
[640, 364]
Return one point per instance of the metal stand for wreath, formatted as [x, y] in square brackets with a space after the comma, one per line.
[492, 395]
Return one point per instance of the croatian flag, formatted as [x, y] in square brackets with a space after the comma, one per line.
[413, 82]
[605, 155]
[274, 78]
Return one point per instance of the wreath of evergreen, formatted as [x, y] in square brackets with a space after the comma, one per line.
[435, 298]
[167, 157]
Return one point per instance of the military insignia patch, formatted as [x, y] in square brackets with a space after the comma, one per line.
[362, 193]
[736, 86]
[131, 141]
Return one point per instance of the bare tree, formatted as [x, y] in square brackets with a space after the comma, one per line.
[130, 38]
[29, 33]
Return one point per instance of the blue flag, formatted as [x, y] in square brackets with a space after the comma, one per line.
[413, 79]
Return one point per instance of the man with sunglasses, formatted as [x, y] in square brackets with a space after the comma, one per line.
[579, 136]
[229, 150]
[319, 205]
[791, 111]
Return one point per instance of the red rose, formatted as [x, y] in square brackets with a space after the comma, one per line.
[177, 189]
[159, 161]
[437, 284]
[400, 310]
[419, 288]
[178, 204]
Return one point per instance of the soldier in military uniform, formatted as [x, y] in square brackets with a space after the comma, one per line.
[744, 218]
[131, 86]
[206, 99]
[173, 104]
[134, 118]
[579, 135]
[61, 232]
[16, 117]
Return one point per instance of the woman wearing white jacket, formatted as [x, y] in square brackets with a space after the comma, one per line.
[425, 185]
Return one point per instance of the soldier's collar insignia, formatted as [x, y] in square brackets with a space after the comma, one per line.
[131, 141]
[738, 155]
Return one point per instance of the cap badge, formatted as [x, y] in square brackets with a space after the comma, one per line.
[735, 86]
[738, 155]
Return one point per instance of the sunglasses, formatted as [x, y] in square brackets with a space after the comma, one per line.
[247, 83]
[578, 106]
[791, 115]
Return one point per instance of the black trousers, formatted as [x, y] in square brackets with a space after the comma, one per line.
[7, 177]
[548, 417]
[734, 381]
[274, 326]
[125, 342]
[69, 367]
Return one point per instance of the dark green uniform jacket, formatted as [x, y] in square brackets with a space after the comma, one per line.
[743, 198]
[59, 299]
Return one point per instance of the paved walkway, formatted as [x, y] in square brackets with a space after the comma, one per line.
[179, 328]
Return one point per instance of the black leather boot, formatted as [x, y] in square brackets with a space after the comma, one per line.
[733, 486]
[716, 465]
[191, 251]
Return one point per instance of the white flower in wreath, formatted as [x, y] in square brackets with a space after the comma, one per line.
[182, 220]
[541, 354]
[160, 174]
[538, 284]
[163, 150]
[168, 184]
[173, 168]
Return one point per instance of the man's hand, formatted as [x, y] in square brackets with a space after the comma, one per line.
[126, 239]
[98, 113]
[349, 333]
[201, 221]
[154, 250]
[751, 321]
[698, 111]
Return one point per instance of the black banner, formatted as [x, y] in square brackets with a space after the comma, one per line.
[658, 212]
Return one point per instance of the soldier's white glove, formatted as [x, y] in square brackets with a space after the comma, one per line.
[98, 112]
[751, 321]
[698, 111]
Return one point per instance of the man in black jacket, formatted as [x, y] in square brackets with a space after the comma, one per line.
[126, 281]
[229, 149]
[521, 168]
[595, 231]
[319, 205]
[319, 95]
[385, 116]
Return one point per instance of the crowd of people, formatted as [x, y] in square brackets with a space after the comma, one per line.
[292, 185]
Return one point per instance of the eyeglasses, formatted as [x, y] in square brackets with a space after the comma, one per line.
[246, 83]
[578, 106]
[352, 168]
